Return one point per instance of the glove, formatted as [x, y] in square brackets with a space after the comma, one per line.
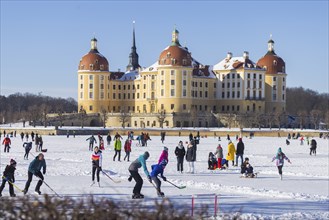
[100, 168]
[164, 178]
[149, 178]
[44, 172]
[130, 178]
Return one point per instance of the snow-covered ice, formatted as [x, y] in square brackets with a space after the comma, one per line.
[302, 194]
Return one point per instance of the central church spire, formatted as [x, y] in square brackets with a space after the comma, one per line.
[133, 56]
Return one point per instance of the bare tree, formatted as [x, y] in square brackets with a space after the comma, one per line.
[302, 118]
[82, 116]
[34, 114]
[104, 116]
[44, 112]
[278, 118]
[124, 118]
[326, 119]
[161, 118]
[270, 119]
[60, 117]
[194, 116]
[315, 117]
[259, 119]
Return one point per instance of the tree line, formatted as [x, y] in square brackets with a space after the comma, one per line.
[20, 107]
[305, 108]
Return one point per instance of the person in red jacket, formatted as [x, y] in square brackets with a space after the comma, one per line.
[127, 148]
[7, 143]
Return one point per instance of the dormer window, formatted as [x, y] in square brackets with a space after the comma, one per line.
[96, 61]
[274, 62]
[82, 67]
[283, 69]
[173, 61]
[91, 66]
[168, 54]
[164, 61]
[184, 62]
[101, 66]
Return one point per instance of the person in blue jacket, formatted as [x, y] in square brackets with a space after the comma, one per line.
[133, 170]
[35, 169]
[156, 170]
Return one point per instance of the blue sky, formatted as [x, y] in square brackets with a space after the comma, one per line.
[42, 42]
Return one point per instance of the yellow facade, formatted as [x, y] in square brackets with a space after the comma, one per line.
[188, 95]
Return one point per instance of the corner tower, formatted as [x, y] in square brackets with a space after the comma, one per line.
[275, 79]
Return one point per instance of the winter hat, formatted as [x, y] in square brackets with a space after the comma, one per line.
[12, 162]
[240, 139]
[165, 148]
[279, 150]
[146, 155]
[219, 146]
[246, 159]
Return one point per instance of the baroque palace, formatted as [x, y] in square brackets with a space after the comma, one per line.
[177, 90]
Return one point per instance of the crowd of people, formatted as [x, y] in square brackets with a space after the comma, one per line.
[217, 160]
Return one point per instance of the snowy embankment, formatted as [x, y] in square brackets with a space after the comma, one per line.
[303, 192]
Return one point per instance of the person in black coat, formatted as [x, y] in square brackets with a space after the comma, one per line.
[8, 175]
[180, 153]
[191, 156]
[28, 147]
[313, 147]
[239, 151]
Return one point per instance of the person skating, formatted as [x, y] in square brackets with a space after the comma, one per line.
[22, 136]
[7, 143]
[35, 169]
[191, 156]
[219, 155]
[8, 175]
[163, 135]
[279, 158]
[133, 170]
[40, 143]
[180, 153]
[117, 148]
[92, 140]
[27, 136]
[28, 147]
[127, 149]
[32, 135]
[108, 139]
[313, 147]
[156, 170]
[163, 155]
[96, 160]
[230, 152]
[239, 152]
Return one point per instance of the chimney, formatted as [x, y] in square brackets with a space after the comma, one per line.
[246, 55]
[229, 55]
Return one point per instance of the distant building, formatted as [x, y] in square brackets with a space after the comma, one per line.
[177, 90]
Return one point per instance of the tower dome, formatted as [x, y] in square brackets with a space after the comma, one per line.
[175, 54]
[272, 62]
[94, 60]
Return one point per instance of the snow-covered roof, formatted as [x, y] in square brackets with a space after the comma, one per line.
[152, 68]
[235, 63]
[130, 75]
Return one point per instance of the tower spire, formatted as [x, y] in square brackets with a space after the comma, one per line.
[270, 45]
[174, 37]
[133, 56]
